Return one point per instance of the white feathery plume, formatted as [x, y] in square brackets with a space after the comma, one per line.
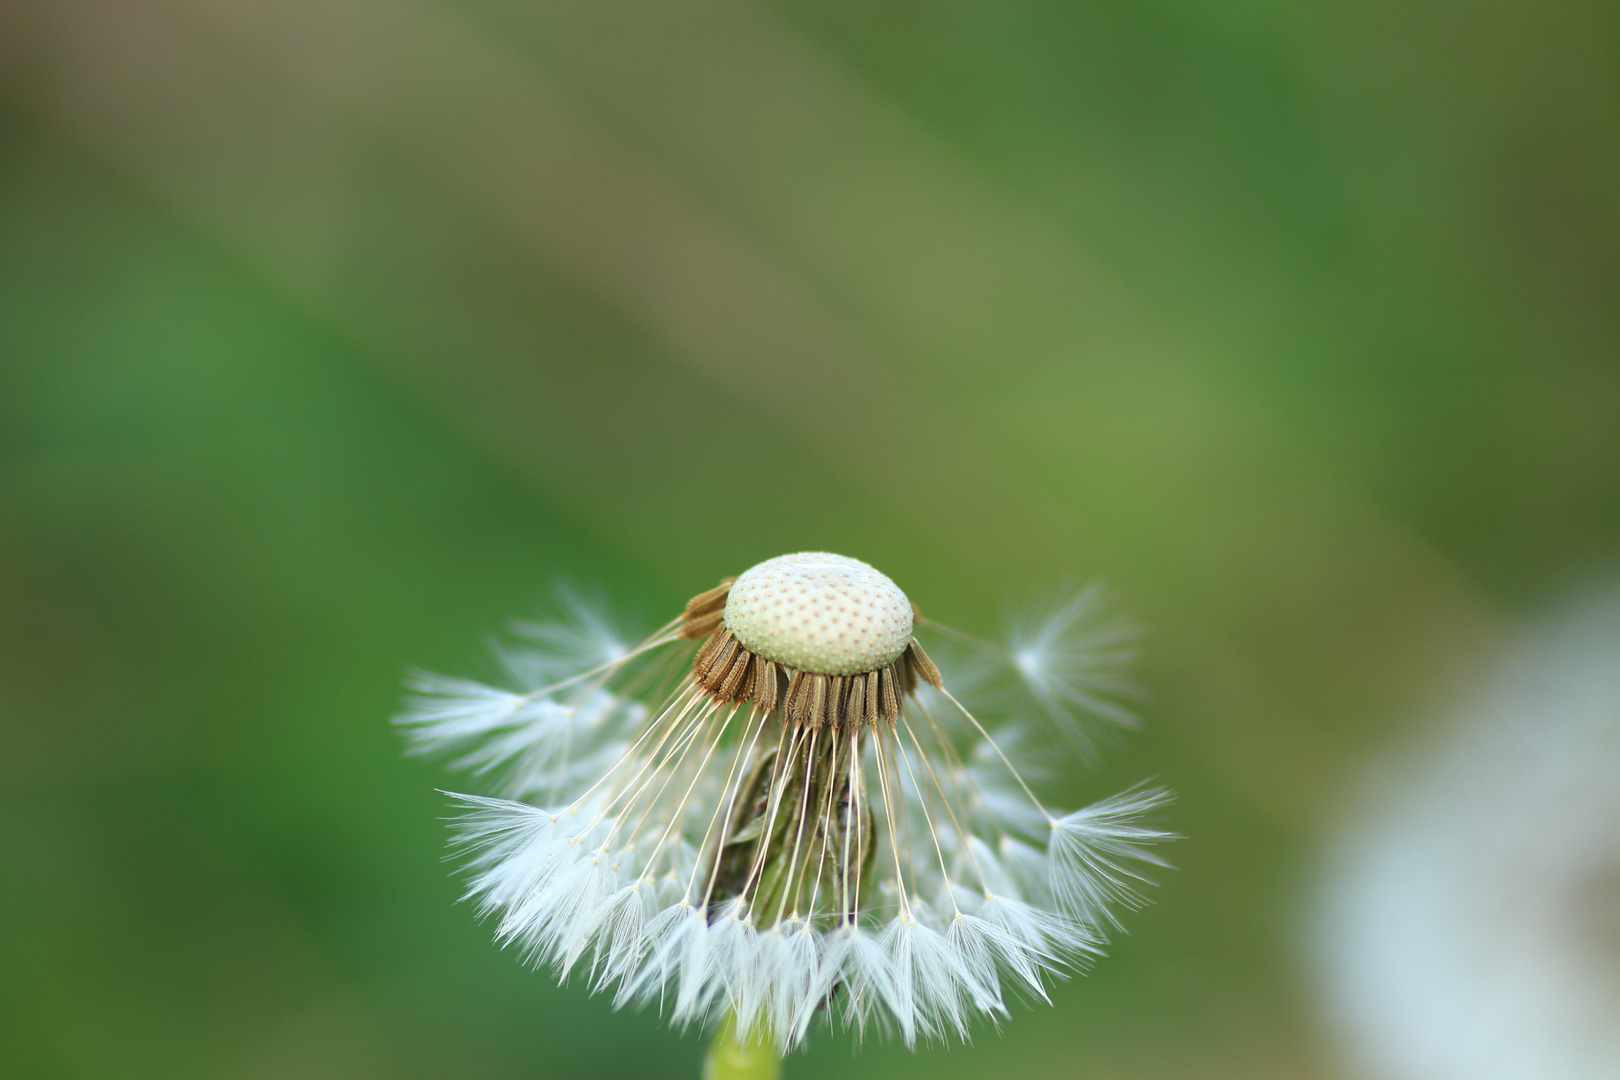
[807, 825]
[856, 965]
[1092, 850]
[1070, 652]
[582, 638]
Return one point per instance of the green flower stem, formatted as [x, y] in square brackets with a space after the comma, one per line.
[731, 1058]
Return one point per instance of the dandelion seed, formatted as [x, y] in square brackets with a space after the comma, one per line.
[799, 823]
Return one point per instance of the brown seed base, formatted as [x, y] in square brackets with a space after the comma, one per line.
[730, 672]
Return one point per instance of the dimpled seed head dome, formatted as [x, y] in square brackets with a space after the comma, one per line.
[820, 613]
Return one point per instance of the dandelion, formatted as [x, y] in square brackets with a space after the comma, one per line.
[1466, 921]
[774, 811]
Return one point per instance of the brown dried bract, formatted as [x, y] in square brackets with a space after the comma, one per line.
[728, 672]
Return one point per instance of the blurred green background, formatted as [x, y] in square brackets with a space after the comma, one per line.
[333, 332]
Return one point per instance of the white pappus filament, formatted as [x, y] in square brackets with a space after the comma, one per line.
[799, 822]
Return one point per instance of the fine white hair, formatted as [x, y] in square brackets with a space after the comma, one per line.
[620, 789]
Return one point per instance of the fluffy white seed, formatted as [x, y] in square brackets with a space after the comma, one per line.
[820, 613]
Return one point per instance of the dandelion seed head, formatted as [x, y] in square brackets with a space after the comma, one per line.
[825, 832]
[821, 613]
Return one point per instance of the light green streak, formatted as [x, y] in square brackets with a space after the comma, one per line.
[732, 1059]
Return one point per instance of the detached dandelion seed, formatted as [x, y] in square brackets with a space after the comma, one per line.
[799, 822]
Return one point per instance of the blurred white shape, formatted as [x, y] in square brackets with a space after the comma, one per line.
[1468, 925]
